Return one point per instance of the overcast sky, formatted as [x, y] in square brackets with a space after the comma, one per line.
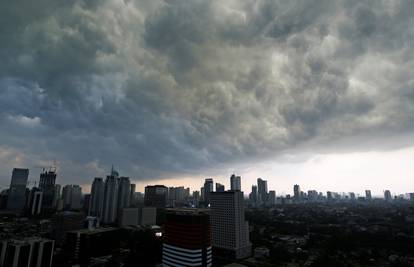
[319, 93]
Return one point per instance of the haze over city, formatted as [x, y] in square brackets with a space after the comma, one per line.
[318, 93]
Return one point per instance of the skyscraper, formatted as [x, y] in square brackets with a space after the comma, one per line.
[124, 192]
[271, 200]
[97, 198]
[155, 196]
[110, 206]
[219, 187]
[47, 185]
[387, 195]
[296, 192]
[261, 191]
[17, 192]
[368, 194]
[132, 199]
[235, 182]
[253, 195]
[230, 231]
[72, 197]
[187, 238]
[208, 188]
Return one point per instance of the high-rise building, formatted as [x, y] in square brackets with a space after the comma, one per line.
[72, 197]
[187, 238]
[230, 231]
[219, 187]
[57, 195]
[33, 252]
[368, 194]
[235, 182]
[387, 195]
[208, 189]
[156, 196]
[110, 206]
[47, 185]
[352, 195]
[271, 198]
[253, 195]
[17, 193]
[296, 192]
[132, 200]
[261, 191]
[35, 201]
[97, 198]
[124, 191]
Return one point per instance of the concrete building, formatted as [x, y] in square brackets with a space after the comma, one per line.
[220, 187]
[187, 238]
[368, 195]
[208, 189]
[110, 205]
[17, 193]
[47, 185]
[387, 195]
[33, 252]
[155, 196]
[230, 230]
[97, 198]
[235, 182]
[72, 197]
[261, 191]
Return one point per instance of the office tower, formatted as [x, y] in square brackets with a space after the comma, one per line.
[411, 195]
[208, 189]
[72, 197]
[230, 231]
[368, 194]
[253, 194]
[313, 195]
[202, 195]
[196, 198]
[261, 191]
[156, 196]
[219, 187]
[329, 195]
[97, 198]
[187, 238]
[271, 198]
[35, 203]
[352, 195]
[56, 196]
[110, 206]
[387, 195]
[129, 216]
[47, 185]
[235, 183]
[33, 252]
[124, 193]
[17, 193]
[296, 192]
[147, 216]
[132, 200]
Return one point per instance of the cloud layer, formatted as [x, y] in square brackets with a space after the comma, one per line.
[167, 88]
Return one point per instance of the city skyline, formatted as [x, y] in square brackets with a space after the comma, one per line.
[317, 93]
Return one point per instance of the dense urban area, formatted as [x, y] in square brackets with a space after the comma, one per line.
[44, 224]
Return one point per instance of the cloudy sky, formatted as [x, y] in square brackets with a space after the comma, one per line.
[319, 93]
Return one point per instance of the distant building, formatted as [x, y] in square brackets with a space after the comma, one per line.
[156, 196]
[56, 196]
[33, 252]
[17, 193]
[47, 185]
[271, 198]
[296, 192]
[387, 195]
[219, 187]
[132, 200]
[187, 238]
[230, 230]
[138, 216]
[208, 189]
[35, 201]
[253, 195]
[368, 195]
[66, 221]
[110, 206]
[261, 191]
[235, 182]
[352, 196]
[97, 198]
[72, 197]
[124, 193]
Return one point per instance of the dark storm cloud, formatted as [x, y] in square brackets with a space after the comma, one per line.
[171, 87]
